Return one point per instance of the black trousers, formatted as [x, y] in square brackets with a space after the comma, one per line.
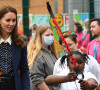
[9, 85]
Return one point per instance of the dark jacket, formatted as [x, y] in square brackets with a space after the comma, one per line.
[20, 65]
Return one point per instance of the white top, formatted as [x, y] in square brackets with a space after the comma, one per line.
[92, 67]
[74, 85]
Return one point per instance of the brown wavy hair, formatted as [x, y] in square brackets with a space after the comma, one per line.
[17, 38]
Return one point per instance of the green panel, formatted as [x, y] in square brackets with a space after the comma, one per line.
[25, 4]
[91, 14]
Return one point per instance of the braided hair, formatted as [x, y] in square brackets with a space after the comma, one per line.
[67, 57]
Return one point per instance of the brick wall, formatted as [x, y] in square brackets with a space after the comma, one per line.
[39, 6]
[35, 6]
[14, 3]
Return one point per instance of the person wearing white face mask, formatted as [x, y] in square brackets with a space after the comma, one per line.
[33, 30]
[41, 57]
[48, 40]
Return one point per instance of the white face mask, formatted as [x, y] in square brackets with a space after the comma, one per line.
[48, 41]
[32, 35]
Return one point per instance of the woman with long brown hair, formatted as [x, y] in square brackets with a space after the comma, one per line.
[14, 72]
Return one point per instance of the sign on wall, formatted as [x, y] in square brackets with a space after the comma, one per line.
[62, 20]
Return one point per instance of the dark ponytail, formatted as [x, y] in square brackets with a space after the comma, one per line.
[67, 57]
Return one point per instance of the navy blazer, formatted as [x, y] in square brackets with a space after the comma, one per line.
[20, 65]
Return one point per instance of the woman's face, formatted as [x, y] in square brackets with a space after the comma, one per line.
[47, 37]
[79, 62]
[71, 44]
[75, 29]
[8, 22]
